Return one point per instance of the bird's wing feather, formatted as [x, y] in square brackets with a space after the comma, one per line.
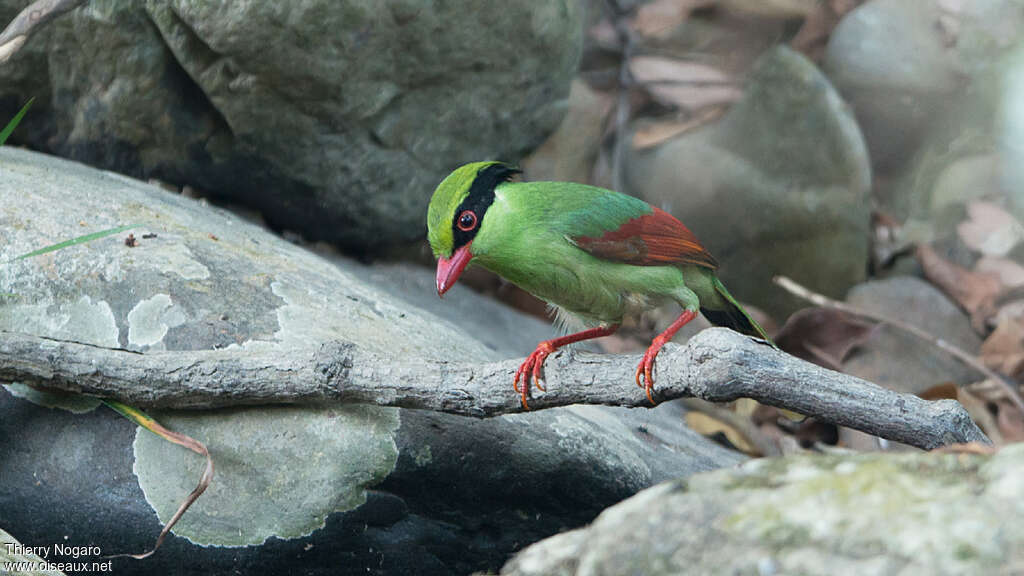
[655, 238]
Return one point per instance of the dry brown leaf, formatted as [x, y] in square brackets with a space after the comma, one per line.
[1010, 308]
[806, 431]
[968, 448]
[824, 336]
[975, 292]
[1003, 350]
[1010, 273]
[989, 229]
[818, 25]
[982, 416]
[1010, 421]
[784, 9]
[707, 426]
[659, 18]
[944, 391]
[655, 133]
[683, 84]
[975, 406]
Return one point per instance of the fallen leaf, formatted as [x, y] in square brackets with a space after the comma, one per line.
[979, 411]
[707, 426]
[784, 9]
[655, 133]
[682, 83]
[1003, 350]
[1010, 308]
[824, 336]
[818, 25]
[975, 292]
[1010, 421]
[1010, 273]
[977, 407]
[944, 391]
[987, 390]
[989, 229]
[967, 448]
[659, 18]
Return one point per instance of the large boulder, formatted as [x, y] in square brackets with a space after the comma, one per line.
[778, 186]
[890, 60]
[337, 489]
[336, 119]
[857, 515]
[936, 89]
[897, 360]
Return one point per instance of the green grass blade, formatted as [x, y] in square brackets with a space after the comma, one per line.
[73, 242]
[146, 421]
[14, 123]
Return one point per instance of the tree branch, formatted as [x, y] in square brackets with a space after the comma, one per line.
[717, 365]
[970, 360]
[28, 20]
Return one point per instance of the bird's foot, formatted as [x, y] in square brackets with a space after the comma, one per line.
[645, 371]
[531, 367]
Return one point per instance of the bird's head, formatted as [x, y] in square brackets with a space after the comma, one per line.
[456, 214]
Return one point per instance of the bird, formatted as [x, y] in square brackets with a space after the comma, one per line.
[594, 255]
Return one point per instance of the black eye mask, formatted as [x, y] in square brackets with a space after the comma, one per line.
[480, 198]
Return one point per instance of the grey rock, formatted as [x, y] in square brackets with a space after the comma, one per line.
[341, 450]
[74, 403]
[897, 360]
[1010, 132]
[500, 328]
[778, 186]
[932, 84]
[963, 180]
[336, 119]
[26, 563]
[569, 154]
[889, 60]
[859, 515]
[342, 489]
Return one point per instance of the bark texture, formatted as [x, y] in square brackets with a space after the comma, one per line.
[716, 365]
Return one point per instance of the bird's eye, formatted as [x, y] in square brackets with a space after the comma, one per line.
[467, 221]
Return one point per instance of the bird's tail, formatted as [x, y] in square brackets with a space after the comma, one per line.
[734, 316]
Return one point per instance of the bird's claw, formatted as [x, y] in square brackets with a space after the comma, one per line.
[531, 368]
[645, 374]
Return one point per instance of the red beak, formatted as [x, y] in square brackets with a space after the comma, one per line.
[449, 269]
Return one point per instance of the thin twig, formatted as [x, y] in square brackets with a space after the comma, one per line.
[622, 106]
[693, 83]
[28, 21]
[965, 357]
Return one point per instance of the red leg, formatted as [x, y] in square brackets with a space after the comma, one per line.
[535, 361]
[646, 368]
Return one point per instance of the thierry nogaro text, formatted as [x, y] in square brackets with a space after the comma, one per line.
[56, 550]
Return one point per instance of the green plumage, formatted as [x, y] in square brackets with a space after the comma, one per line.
[527, 236]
